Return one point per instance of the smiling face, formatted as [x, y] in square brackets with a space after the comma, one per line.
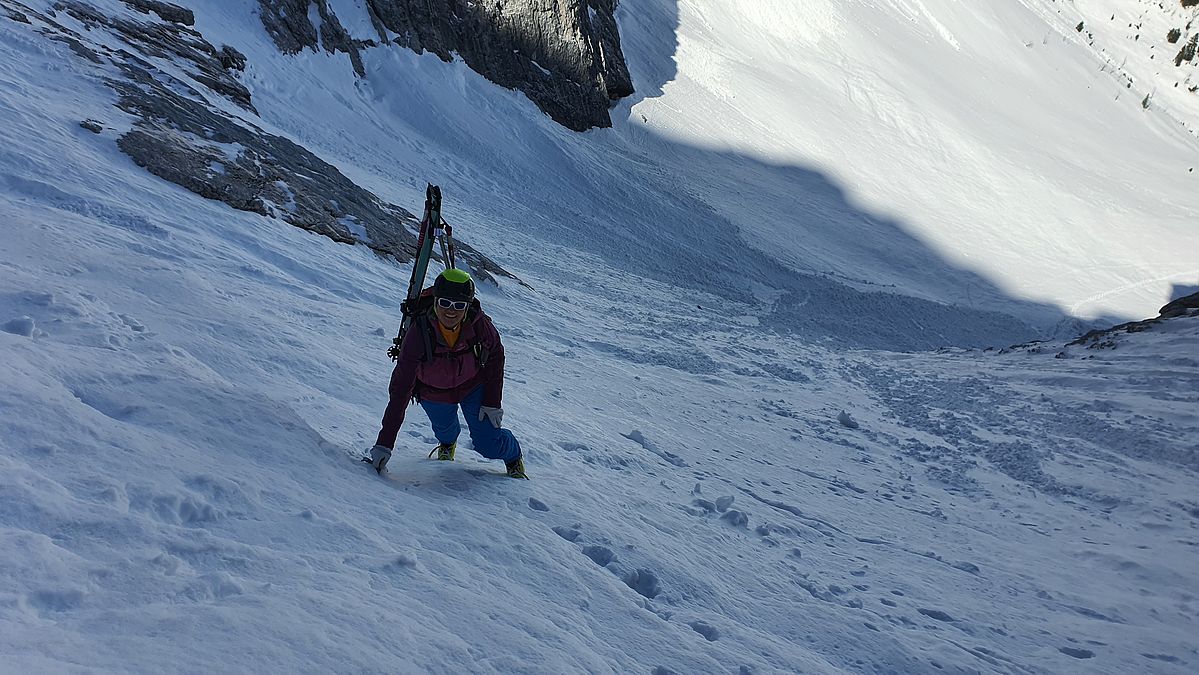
[453, 292]
[449, 313]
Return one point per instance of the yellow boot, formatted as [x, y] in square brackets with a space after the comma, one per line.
[445, 453]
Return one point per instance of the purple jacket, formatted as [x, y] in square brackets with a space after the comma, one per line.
[428, 368]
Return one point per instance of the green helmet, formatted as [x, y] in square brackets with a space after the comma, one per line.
[454, 284]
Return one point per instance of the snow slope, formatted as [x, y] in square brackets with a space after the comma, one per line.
[984, 157]
[990, 135]
[184, 387]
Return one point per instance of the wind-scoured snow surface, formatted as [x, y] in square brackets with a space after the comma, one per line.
[183, 387]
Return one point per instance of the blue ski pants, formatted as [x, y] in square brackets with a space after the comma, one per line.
[489, 441]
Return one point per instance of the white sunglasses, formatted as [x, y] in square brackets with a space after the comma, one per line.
[446, 303]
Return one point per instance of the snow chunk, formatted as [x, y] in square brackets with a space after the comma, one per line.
[847, 420]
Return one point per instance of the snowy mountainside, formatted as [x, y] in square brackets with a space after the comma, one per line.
[697, 510]
[185, 387]
[1147, 46]
[988, 158]
[827, 239]
[1051, 182]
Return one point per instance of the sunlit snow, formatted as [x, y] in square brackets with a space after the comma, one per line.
[716, 485]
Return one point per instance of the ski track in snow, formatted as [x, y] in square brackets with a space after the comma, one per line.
[185, 388]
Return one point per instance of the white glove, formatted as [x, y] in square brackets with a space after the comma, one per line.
[493, 415]
[379, 456]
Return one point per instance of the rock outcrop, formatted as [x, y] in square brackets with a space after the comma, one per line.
[173, 39]
[564, 55]
[179, 136]
[1184, 306]
[166, 10]
[287, 22]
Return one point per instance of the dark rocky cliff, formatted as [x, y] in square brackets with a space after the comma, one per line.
[564, 55]
[157, 65]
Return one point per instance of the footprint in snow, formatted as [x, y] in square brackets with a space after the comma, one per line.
[936, 614]
[23, 326]
[212, 586]
[568, 533]
[188, 509]
[1077, 653]
[638, 438]
[608, 460]
[133, 324]
[600, 555]
[55, 600]
[705, 629]
[642, 580]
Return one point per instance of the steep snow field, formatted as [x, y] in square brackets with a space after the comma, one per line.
[989, 138]
[986, 157]
[185, 386]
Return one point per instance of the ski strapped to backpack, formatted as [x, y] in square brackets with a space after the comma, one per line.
[429, 227]
[448, 251]
[416, 301]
